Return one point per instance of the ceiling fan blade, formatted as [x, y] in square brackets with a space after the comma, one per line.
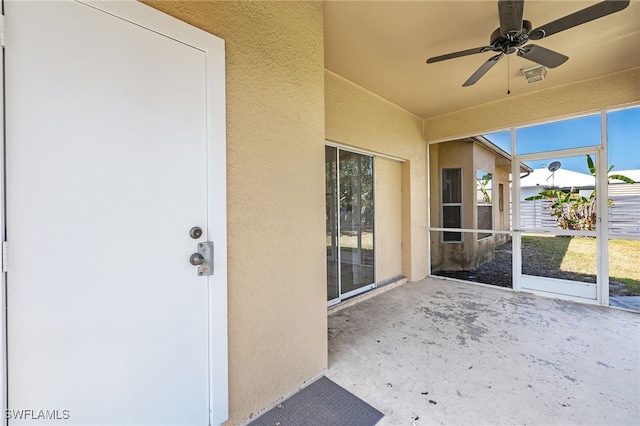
[459, 54]
[483, 70]
[542, 56]
[510, 12]
[580, 17]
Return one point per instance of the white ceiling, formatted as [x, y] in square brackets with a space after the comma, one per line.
[382, 46]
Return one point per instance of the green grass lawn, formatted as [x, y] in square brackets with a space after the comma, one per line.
[575, 258]
[624, 263]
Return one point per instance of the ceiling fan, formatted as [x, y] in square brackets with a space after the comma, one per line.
[514, 33]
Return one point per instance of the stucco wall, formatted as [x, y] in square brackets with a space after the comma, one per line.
[484, 160]
[590, 95]
[435, 200]
[388, 220]
[471, 157]
[275, 167]
[453, 155]
[358, 118]
[501, 218]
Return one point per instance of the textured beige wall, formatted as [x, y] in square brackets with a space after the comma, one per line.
[407, 263]
[435, 198]
[275, 168]
[452, 155]
[388, 220]
[470, 157]
[484, 160]
[435, 194]
[590, 95]
[358, 118]
[501, 218]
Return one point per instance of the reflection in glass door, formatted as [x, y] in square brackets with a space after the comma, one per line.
[331, 191]
[349, 223]
[356, 221]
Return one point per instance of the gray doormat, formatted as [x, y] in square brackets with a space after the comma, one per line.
[322, 403]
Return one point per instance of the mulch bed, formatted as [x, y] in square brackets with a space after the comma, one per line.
[498, 272]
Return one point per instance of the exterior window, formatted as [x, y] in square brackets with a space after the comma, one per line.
[484, 202]
[452, 203]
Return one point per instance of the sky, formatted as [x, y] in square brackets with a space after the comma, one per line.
[623, 139]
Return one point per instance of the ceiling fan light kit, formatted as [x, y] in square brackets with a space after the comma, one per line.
[534, 74]
[514, 33]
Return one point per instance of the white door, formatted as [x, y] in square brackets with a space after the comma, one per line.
[107, 170]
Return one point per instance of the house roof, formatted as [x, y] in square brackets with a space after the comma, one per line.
[382, 46]
[631, 174]
[561, 178]
[503, 159]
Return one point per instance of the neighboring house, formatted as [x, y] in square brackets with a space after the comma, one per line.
[631, 174]
[284, 108]
[469, 189]
[542, 179]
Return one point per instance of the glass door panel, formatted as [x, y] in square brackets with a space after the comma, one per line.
[356, 221]
[331, 222]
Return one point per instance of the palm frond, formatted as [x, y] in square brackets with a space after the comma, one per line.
[622, 178]
[591, 165]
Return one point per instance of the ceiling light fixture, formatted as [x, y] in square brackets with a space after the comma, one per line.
[534, 74]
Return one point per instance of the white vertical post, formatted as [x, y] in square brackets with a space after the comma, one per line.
[217, 228]
[428, 154]
[516, 252]
[338, 224]
[3, 301]
[602, 219]
[375, 222]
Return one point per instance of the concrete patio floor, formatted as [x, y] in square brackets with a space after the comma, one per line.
[444, 352]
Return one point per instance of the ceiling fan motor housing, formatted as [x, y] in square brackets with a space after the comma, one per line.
[510, 42]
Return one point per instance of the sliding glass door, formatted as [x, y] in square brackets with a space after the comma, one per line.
[349, 223]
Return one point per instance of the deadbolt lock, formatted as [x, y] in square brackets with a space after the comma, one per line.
[195, 232]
